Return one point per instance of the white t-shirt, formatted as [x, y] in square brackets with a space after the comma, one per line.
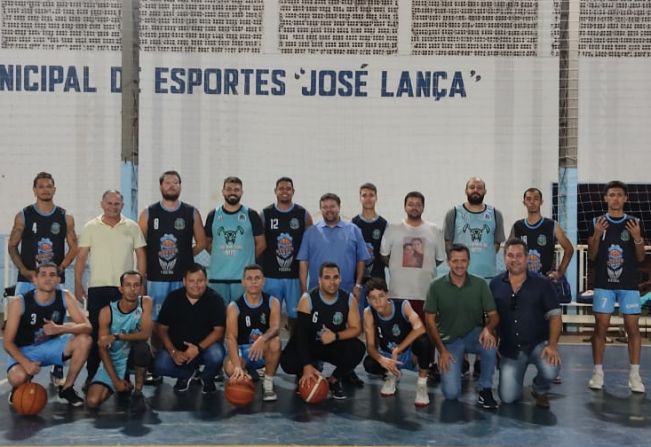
[413, 254]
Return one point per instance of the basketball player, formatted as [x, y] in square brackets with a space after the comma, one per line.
[124, 329]
[37, 336]
[617, 248]
[169, 227]
[252, 332]
[327, 328]
[394, 334]
[234, 239]
[284, 224]
[42, 231]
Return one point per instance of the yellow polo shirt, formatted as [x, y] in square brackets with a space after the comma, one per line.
[111, 249]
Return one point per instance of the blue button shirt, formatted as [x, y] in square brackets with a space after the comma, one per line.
[342, 244]
[524, 316]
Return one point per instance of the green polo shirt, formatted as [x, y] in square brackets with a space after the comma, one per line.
[459, 309]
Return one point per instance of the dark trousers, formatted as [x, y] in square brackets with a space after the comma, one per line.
[345, 355]
[421, 347]
[98, 297]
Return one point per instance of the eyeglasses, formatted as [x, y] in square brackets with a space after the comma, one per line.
[514, 301]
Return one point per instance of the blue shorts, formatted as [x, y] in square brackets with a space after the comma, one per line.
[250, 364]
[286, 290]
[406, 358]
[158, 291]
[229, 291]
[120, 363]
[604, 301]
[48, 353]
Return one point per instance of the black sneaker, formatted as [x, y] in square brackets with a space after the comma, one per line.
[434, 376]
[219, 377]
[153, 380]
[182, 385]
[465, 369]
[56, 376]
[486, 399]
[354, 380]
[476, 370]
[337, 391]
[70, 396]
[138, 404]
[209, 387]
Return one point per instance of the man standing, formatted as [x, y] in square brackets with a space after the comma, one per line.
[36, 334]
[191, 328]
[478, 226]
[327, 328]
[169, 227]
[461, 318]
[284, 224]
[124, 329]
[617, 248]
[541, 234]
[529, 329]
[252, 333]
[333, 240]
[235, 237]
[394, 334]
[110, 240]
[412, 249]
[42, 230]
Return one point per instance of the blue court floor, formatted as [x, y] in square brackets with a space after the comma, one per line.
[578, 416]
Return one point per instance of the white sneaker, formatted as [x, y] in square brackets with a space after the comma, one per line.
[422, 398]
[635, 383]
[596, 381]
[389, 386]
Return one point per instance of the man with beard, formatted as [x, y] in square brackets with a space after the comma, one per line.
[110, 240]
[42, 230]
[235, 237]
[284, 224]
[336, 241]
[617, 248]
[478, 226]
[411, 275]
[169, 227]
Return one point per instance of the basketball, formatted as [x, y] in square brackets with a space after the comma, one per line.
[315, 391]
[29, 399]
[240, 393]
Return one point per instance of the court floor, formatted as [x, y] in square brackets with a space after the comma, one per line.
[578, 416]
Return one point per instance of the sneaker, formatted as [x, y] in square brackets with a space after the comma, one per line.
[422, 398]
[486, 399]
[434, 375]
[182, 385]
[389, 386]
[153, 380]
[269, 395]
[476, 370]
[635, 383]
[56, 376]
[542, 401]
[596, 381]
[209, 387]
[138, 404]
[337, 391]
[10, 398]
[219, 377]
[354, 380]
[465, 369]
[70, 396]
[557, 380]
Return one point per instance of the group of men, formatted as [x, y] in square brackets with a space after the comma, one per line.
[228, 314]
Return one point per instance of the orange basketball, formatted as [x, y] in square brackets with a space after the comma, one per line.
[29, 399]
[240, 393]
[315, 391]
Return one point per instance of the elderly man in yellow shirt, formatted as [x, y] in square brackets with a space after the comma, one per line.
[111, 240]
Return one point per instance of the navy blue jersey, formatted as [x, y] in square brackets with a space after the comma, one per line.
[372, 233]
[332, 315]
[283, 231]
[30, 327]
[252, 322]
[616, 266]
[44, 238]
[541, 242]
[391, 331]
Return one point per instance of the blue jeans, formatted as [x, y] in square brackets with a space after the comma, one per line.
[212, 359]
[451, 379]
[512, 374]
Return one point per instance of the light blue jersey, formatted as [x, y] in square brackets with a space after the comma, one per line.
[477, 232]
[233, 244]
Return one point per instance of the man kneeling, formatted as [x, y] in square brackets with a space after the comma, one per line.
[124, 328]
[36, 335]
[394, 334]
[252, 328]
